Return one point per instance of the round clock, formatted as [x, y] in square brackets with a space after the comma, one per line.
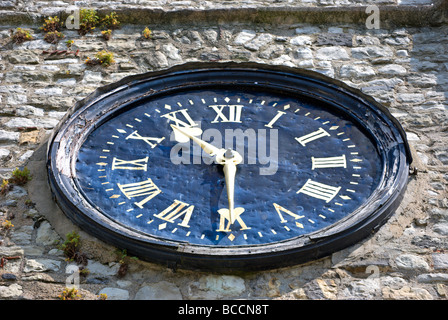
[229, 166]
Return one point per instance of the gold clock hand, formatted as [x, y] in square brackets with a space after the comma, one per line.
[229, 159]
[221, 158]
[210, 149]
[230, 173]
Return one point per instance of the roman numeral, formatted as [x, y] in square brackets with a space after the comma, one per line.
[145, 189]
[139, 164]
[173, 116]
[152, 141]
[225, 216]
[277, 116]
[319, 190]
[330, 162]
[232, 113]
[187, 126]
[279, 210]
[303, 140]
[174, 212]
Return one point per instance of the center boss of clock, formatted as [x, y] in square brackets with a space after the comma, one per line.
[229, 166]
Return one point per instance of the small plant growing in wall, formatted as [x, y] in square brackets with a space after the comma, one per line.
[124, 261]
[103, 58]
[52, 24]
[71, 248]
[111, 21]
[6, 225]
[53, 37]
[5, 187]
[102, 296]
[20, 177]
[21, 35]
[69, 44]
[70, 294]
[147, 34]
[52, 27]
[107, 34]
[88, 21]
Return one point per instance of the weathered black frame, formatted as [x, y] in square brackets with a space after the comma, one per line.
[105, 101]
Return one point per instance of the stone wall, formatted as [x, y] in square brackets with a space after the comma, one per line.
[405, 67]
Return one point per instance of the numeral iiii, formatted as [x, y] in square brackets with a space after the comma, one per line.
[330, 162]
[319, 190]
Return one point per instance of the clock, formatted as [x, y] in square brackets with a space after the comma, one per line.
[229, 166]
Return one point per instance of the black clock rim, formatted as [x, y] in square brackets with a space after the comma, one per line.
[257, 257]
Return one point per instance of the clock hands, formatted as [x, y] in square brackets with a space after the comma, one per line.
[207, 147]
[229, 159]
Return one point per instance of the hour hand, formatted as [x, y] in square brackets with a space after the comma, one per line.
[207, 147]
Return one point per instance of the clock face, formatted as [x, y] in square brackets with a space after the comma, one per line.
[304, 167]
[228, 170]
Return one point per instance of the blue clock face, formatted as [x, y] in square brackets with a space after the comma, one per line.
[304, 166]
